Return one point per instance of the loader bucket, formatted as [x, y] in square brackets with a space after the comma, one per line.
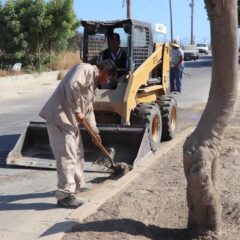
[131, 144]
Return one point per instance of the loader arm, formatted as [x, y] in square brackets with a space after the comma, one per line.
[165, 67]
[140, 77]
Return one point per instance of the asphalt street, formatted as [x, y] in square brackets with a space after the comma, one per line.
[195, 89]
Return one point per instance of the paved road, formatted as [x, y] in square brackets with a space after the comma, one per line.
[27, 194]
[196, 88]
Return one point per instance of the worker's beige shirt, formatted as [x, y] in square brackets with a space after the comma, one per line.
[74, 94]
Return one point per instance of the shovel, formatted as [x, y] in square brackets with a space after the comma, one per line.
[118, 168]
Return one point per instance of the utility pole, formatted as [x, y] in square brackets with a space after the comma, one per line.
[171, 26]
[192, 13]
[129, 9]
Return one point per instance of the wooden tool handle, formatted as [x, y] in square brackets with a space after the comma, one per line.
[93, 135]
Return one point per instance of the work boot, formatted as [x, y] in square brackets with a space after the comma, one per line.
[70, 201]
[87, 187]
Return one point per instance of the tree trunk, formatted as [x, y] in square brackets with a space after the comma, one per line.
[201, 148]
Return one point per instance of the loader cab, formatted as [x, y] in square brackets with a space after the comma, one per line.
[111, 104]
[135, 36]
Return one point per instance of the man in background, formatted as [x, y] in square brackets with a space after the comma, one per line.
[176, 68]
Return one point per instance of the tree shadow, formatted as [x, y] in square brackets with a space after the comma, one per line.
[128, 226]
[13, 202]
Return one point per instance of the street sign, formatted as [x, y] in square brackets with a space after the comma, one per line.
[160, 28]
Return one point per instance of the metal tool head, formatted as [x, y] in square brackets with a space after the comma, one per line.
[121, 168]
[111, 152]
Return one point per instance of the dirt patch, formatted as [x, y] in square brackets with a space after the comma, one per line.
[154, 205]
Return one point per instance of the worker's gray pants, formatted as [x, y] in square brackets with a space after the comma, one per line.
[68, 151]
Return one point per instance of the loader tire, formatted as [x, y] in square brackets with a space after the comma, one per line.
[149, 115]
[168, 106]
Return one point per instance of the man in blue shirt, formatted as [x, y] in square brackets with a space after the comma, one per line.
[176, 68]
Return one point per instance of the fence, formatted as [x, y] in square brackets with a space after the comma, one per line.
[7, 61]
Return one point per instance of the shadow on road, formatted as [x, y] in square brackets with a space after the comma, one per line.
[128, 226]
[59, 228]
[7, 143]
[9, 202]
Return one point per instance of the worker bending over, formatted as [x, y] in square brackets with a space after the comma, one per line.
[71, 102]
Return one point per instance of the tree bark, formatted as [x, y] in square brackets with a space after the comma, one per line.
[201, 148]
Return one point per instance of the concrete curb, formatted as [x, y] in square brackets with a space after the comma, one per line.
[20, 80]
[110, 189]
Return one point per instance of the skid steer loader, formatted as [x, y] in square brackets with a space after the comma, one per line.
[134, 116]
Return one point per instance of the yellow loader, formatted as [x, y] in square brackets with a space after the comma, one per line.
[134, 116]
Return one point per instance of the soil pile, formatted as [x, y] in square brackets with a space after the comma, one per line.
[154, 205]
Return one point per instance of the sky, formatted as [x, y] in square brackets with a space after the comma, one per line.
[153, 11]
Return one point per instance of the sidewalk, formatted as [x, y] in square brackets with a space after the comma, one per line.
[28, 83]
[19, 80]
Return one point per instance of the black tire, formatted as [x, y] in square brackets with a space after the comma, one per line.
[149, 115]
[168, 107]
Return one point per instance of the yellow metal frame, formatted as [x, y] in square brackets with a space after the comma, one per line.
[141, 76]
[128, 95]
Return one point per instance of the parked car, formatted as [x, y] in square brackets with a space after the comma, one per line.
[203, 48]
[190, 52]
